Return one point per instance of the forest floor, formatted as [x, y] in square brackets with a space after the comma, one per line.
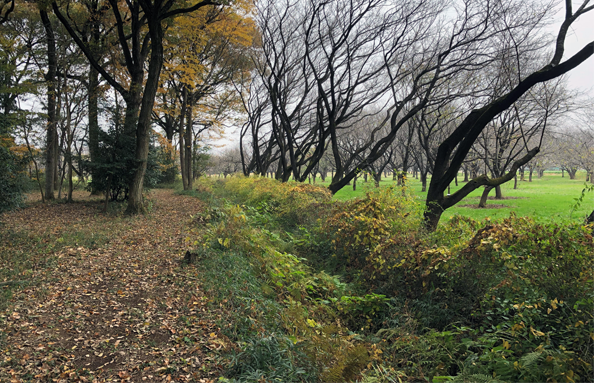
[91, 296]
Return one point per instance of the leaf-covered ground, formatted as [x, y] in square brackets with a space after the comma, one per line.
[105, 297]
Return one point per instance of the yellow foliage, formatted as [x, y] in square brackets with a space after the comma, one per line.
[194, 38]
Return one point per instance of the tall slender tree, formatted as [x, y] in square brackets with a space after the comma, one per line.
[51, 143]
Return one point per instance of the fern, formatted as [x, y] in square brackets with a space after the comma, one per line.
[474, 378]
[530, 361]
[504, 370]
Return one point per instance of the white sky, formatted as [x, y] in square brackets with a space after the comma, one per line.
[582, 77]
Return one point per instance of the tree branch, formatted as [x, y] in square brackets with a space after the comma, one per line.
[483, 180]
[193, 8]
[85, 49]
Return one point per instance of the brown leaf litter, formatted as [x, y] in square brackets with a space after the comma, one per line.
[126, 310]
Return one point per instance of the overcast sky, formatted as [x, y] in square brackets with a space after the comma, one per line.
[582, 33]
[581, 78]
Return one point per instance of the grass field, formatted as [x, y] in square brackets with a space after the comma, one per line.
[550, 198]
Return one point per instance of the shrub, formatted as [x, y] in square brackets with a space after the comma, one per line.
[494, 301]
[288, 204]
[372, 236]
[115, 164]
[13, 181]
[300, 337]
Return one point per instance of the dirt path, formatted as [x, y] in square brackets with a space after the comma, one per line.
[117, 307]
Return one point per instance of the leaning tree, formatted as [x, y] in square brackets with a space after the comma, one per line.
[324, 64]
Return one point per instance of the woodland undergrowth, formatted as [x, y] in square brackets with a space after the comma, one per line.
[327, 291]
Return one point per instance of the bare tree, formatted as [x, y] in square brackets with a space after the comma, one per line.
[324, 64]
[509, 135]
[454, 149]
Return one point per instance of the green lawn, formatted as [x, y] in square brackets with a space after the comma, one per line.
[549, 198]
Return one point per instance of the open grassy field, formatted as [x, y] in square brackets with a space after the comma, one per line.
[550, 198]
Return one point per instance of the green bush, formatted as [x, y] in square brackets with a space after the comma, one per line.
[475, 301]
[289, 205]
[298, 334]
[115, 164]
[13, 181]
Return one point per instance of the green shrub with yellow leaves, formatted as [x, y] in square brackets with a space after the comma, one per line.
[500, 301]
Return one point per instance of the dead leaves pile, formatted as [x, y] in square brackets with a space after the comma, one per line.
[126, 311]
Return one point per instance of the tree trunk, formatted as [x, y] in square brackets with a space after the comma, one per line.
[516, 182]
[530, 176]
[182, 147]
[51, 134]
[424, 182]
[68, 157]
[57, 183]
[401, 176]
[93, 116]
[135, 203]
[188, 141]
[484, 197]
[498, 194]
[465, 175]
[590, 218]
[432, 215]
[355, 183]
[70, 184]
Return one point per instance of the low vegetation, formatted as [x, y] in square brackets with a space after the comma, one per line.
[335, 291]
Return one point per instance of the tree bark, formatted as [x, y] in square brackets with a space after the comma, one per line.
[453, 150]
[436, 198]
[498, 194]
[188, 141]
[484, 197]
[93, 116]
[51, 134]
[423, 181]
[182, 146]
[135, 202]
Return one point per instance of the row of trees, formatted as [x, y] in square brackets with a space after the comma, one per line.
[363, 85]
[87, 83]
[463, 76]
[569, 150]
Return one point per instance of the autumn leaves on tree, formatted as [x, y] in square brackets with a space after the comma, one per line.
[205, 51]
[186, 53]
